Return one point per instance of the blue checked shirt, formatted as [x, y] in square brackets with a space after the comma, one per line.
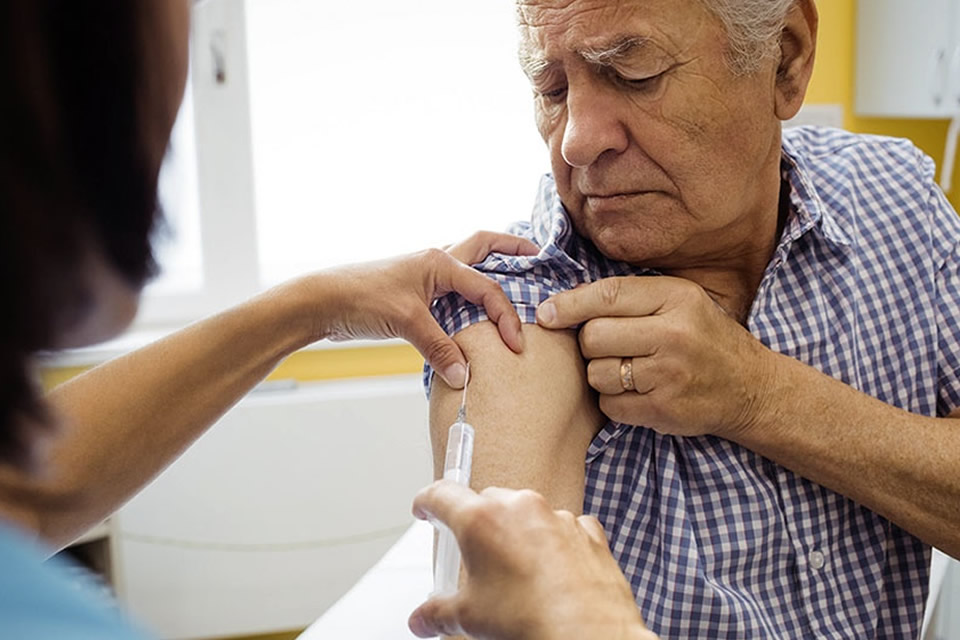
[717, 541]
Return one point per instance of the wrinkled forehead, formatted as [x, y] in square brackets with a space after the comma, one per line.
[552, 29]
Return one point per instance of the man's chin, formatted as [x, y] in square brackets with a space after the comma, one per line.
[636, 246]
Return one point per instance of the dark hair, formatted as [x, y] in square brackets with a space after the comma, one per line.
[78, 178]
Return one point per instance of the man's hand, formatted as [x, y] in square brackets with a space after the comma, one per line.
[694, 369]
[391, 299]
[532, 573]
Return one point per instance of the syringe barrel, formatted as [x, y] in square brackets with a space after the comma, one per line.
[459, 460]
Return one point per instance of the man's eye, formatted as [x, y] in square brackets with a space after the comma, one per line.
[641, 83]
[553, 95]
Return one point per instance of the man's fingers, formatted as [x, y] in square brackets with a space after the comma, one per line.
[437, 616]
[481, 244]
[604, 375]
[623, 337]
[629, 296]
[632, 409]
[445, 502]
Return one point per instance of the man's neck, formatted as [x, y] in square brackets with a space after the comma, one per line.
[732, 280]
[734, 291]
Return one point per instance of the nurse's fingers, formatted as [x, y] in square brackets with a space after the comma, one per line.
[437, 616]
[482, 290]
[437, 348]
[481, 244]
[445, 501]
[592, 527]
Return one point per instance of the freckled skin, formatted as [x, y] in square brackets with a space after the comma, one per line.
[697, 150]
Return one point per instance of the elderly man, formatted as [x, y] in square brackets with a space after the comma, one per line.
[758, 397]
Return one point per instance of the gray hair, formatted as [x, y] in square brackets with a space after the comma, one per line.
[753, 29]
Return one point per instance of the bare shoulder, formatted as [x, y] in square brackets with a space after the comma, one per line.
[534, 412]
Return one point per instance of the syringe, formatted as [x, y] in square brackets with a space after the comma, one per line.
[456, 467]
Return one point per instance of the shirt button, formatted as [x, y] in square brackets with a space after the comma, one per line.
[816, 560]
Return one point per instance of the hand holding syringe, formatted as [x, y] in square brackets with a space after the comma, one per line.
[446, 572]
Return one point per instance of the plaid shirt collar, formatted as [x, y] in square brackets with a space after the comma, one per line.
[807, 210]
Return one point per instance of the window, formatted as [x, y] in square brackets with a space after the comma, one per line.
[336, 133]
[178, 247]
[384, 127]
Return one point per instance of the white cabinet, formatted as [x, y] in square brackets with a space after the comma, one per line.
[275, 513]
[908, 58]
[953, 68]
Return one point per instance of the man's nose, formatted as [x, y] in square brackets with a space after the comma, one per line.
[593, 127]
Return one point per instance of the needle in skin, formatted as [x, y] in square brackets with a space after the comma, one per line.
[462, 412]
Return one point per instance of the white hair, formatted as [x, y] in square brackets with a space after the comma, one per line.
[753, 29]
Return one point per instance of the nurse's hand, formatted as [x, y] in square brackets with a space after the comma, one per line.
[391, 299]
[531, 572]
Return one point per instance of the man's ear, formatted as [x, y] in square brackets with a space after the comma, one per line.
[798, 44]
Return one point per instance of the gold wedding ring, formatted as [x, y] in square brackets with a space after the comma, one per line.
[626, 374]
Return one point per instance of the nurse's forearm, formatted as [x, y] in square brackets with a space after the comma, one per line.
[127, 419]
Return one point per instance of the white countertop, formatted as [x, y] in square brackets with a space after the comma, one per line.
[378, 605]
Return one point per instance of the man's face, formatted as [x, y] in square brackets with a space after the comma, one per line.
[662, 156]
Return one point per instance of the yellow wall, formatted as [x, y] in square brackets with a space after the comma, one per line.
[833, 79]
[312, 365]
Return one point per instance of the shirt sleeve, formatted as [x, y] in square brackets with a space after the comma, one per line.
[948, 328]
[946, 239]
[526, 280]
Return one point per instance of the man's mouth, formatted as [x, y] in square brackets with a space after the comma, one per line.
[609, 195]
[615, 202]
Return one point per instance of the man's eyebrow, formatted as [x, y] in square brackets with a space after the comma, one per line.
[535, 65]
[617, 49]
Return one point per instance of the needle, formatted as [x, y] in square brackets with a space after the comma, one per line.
[462, 412]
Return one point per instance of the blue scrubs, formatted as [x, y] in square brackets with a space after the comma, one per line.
[52, 599]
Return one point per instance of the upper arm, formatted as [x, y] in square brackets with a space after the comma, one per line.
[533, 413]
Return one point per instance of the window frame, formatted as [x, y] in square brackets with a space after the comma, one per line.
[224, 155]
